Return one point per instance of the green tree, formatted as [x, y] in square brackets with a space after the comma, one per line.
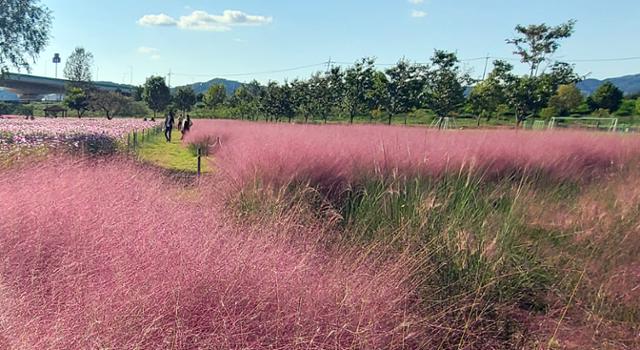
[24, 32]
[638, 106]
[185, 99]
[378, 95]
[358, 81]
[245, 102]
[109, 102]
[607, 96]
[335, 93]
[278, 102]
[302, 99]
[137, 93]
[445, 85]
[535, 43]
[567, 98]
[78, 66]
[77, 99]
[215, 96]
[405, 86]
[156, 94]
[489, 96]
[321, 97]
[627, 108]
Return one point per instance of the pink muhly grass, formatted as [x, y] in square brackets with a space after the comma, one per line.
[106, 255]
[333, 154]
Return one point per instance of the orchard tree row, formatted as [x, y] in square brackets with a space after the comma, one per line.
[441, 86]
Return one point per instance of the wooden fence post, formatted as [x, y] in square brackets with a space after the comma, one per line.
[199, 161]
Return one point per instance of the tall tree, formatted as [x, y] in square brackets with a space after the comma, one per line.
[302, 99]
[445, 85]
[109, 102]
[536, 42]
[78, 66]
[156, 94]
[77, 99]
[607, 96]
[567, 98]
[245, 102]
[321, 97]
[24, 32]
[278, 102]
[334, 82]
[358, 82]
[185, 99]
[215, 96]
[137, 93]
[405, 85]
[378, 96]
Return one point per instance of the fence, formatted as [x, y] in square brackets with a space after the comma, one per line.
[137, 138]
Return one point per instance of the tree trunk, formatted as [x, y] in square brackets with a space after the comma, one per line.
[405, 119]
[390, 116]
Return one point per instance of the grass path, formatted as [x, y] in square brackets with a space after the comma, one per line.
[172, 155]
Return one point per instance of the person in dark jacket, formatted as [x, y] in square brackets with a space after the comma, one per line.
[168, 125]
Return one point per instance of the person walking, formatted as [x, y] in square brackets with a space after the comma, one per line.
[180, 122]
[168, 125]
[186, 126]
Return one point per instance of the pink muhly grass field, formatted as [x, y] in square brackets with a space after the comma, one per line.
[108, 256]
[335, 154]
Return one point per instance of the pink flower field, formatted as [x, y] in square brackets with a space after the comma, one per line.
[334, 154]
[20, 132]
[106, 256]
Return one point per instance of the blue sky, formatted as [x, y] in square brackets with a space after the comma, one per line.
[197, 40]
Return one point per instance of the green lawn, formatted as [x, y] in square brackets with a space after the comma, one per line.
[170, 155]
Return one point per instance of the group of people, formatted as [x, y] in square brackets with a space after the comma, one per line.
[184, 125]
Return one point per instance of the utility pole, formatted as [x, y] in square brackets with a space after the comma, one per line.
[329, 65]
[131, 75]
[169, 79]
[486, 64]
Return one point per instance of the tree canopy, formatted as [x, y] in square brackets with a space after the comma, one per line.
[78, 66]
[607, 96]
[156, 94]
[24, 32]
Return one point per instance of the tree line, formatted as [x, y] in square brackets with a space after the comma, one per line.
[440, 86]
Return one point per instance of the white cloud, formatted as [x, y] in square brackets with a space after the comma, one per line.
[156, 20]
[147, 50]
[201, 20]
[151, 52]
[418, 14]
[416, 2]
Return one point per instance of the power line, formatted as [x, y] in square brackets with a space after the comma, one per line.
[331, 62]
[255, 73]
[606, 59]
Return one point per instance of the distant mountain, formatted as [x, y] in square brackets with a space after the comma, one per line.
[230, 85]
[629, 84]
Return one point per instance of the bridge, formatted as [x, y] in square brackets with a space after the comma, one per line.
[32, 87]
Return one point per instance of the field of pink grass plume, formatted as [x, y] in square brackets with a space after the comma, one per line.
[107, 255]
[334, 155]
